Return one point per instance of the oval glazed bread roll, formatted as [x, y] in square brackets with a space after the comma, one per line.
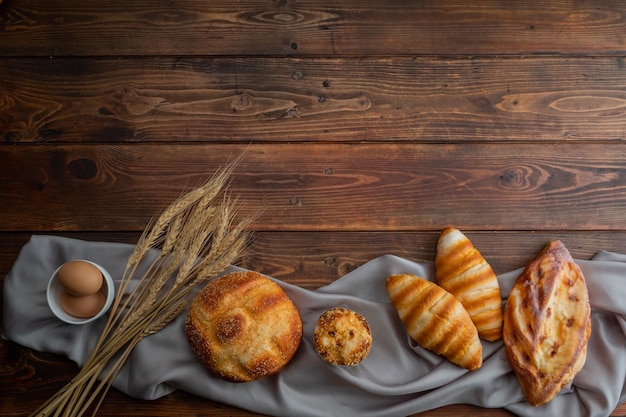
[435, 319]
[462, 270]
[547, 323]
[243, 326]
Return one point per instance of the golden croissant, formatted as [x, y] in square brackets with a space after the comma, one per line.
[547, 323]
[435, 319]
[462, 270]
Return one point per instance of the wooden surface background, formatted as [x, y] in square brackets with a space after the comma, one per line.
[368, 126]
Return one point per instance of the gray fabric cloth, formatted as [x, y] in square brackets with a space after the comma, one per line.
[397, 378]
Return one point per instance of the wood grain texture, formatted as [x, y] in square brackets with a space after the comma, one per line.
[314, 259]
[374, 187]
[369, 126]
[283, 27]
[312, 99]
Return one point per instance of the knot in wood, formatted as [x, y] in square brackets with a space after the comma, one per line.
[515, 178]
[242, 101]
[82, 168]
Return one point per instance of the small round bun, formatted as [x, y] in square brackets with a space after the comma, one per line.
[342, 337]
[243, 326]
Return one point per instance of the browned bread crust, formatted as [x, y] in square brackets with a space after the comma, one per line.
[435, 319]
[462, 270]
[243, 326]
[342, 337]
[547, 323]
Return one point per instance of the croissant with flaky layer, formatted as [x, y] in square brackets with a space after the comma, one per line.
[547, 323]
[462, 270]
[435, 319]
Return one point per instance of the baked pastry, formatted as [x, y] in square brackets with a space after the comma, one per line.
[243, 326]
[462, 270]
[435, 319]
[342, 337]
[547, 323]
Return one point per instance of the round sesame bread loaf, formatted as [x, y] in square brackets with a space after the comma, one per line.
[243, 326]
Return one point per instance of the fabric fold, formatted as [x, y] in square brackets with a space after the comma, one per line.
[398, 378]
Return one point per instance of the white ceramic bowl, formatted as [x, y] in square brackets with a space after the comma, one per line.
[53, 294]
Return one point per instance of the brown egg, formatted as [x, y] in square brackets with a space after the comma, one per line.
[80, 278]
[82, 306]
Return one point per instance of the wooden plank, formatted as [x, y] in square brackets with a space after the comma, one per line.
[314, 259]
[354, 27]
[312, 99]
[320, 187]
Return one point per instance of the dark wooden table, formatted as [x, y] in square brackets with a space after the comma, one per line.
[369, 127]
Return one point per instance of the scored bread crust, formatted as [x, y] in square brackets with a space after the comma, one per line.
[547, 323]
[435, 319]
[243, 326]
[464, 272]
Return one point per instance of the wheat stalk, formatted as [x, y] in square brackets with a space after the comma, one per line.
[195, 239]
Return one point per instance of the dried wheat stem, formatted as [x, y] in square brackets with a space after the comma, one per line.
[198, 241]
[159, 318]
[103, 387]
[118, 308]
